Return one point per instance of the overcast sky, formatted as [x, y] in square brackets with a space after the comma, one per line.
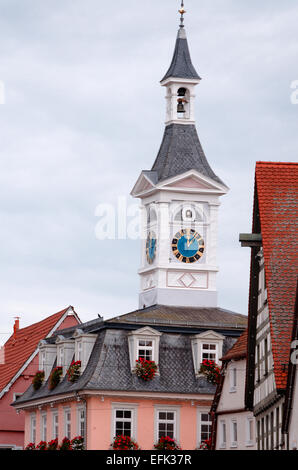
[84, 114]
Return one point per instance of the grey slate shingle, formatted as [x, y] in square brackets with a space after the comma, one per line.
[181, 65]
[181, 151]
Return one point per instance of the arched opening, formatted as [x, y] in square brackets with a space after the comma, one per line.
[183, 103]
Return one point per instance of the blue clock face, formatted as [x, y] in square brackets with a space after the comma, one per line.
[188, 246]
[151, 247]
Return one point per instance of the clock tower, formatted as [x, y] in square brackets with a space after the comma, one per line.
[180, 201]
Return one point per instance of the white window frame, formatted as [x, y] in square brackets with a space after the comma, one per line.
[33, 424]
[145, 348]
[60, 356]
[43, 426]
[234, 430]
[223, 435]
[67, 422]
[55, 424]
[202, 411]
[210, 351]
[133, 408]
[170, 409]
[79, 351]
[233, 379]
[250, 432]
[81, 423]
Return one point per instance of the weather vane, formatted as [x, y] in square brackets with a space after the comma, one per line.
[182, 12]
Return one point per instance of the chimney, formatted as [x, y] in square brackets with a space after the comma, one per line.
[16, 325]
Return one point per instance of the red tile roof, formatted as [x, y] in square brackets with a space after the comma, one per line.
[239, 350]
[21, 346]
[277, 190]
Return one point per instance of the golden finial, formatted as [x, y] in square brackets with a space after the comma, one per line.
[182, 13]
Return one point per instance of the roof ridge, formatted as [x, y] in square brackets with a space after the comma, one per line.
[46, 319]
[269, 163]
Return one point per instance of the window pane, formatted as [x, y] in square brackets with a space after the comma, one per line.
[127, 414]
[162, 416]
[119, 414]
[170, 416]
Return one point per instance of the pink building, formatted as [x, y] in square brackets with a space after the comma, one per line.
[109, 399]
[19, 363]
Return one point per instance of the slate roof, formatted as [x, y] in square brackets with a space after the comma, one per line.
[21, 346]
[181, 65]
[109, 365]
[277, 192]
[238, 351]
[181, 151]
[207, 318]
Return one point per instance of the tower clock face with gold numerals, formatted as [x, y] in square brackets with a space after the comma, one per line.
[188, 246]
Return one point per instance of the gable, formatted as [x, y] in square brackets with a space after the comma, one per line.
[146, 331]
[144, 184]
[193, 181]
[22, 347]
[211, 335]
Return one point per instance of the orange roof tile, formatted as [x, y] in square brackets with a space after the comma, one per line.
[21, 346]
[277, 190]
[239, 350]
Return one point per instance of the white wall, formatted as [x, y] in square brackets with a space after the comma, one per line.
[232, 399]
[293, 428]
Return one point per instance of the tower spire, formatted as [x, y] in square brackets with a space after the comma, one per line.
[182, 13]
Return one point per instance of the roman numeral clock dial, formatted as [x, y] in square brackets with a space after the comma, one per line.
[188, 246]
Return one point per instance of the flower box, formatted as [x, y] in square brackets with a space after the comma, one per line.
[66, 444]
[74, 371]
[42, 446]
[166, 443]
[124, 443]
[211, 371]
[38, 380]
[77, 443]
[55, 377]
[53, 445]
[145, 370]
[30, 446]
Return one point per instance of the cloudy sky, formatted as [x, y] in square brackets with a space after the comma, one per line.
[84, 114]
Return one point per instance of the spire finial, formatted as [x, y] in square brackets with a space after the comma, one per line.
[182, 12]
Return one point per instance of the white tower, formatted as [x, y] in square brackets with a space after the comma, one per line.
[180, 198]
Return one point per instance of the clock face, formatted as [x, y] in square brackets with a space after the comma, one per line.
[151, 247]
[188, 246]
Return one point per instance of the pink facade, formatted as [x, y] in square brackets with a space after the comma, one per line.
[100, 420]
[12, 424]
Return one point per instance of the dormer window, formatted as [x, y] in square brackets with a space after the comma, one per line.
[47, 356]
[144, 343]
[207, 345]
[65, 352]
[83, 346]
